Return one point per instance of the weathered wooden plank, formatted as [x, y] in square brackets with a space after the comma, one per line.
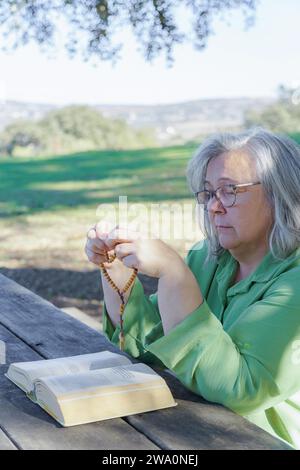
[43, 327]
[32, 428]
[198, 424]
[206, 426]
[5, 442]
[193, 424]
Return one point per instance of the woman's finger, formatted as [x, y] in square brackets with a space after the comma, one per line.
[94, 257]
[94, 240]
[130, 261]
[91, 234]
[102, 230]
[93, 246]
[96, 245]
[121, 235]
[124, 249]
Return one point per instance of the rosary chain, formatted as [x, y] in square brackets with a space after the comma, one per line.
[121, 292]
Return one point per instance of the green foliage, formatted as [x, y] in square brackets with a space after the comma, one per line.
[282, 116]
[21, 135]
[295, 136]
[71, 129]
[91, 25]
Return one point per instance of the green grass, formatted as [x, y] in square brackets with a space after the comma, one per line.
[84, 180]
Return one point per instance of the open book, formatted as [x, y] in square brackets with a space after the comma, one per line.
[91, 387]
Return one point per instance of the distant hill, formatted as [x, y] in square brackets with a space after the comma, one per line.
[173, 122]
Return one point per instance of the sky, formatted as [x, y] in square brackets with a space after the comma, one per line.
[236, 63]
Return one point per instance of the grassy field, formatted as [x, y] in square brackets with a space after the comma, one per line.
[47, 200]
[82, 180]
[48, 204]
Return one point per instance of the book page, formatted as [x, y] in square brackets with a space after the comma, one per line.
[71, 365]
[98, 380]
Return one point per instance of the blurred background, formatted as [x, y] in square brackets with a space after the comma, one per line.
[106, 98]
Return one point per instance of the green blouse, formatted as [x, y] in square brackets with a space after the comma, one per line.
[240, 347]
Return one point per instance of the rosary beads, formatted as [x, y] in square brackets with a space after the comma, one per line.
[121, 292]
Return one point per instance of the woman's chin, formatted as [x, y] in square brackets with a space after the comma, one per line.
[226, 242]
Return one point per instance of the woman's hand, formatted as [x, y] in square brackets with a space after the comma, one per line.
[95, 247]
[178, 290]
[151, 257]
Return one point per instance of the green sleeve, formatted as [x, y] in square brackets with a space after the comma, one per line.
[141, 319]
[249, 368]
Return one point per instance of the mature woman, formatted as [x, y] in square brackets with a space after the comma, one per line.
[226, 320]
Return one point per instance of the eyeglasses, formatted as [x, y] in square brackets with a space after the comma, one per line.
[226, 194]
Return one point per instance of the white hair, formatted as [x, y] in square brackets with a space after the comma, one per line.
[277, 160]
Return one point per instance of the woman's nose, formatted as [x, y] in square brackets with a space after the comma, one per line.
[215, 205]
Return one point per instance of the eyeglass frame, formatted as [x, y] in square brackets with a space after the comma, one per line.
[213, 193]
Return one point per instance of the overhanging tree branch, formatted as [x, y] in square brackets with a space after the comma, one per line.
[91, 25]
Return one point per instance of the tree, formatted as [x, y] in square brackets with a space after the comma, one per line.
[72, 129]
[20, 135]
[281, 116]
[92, 24]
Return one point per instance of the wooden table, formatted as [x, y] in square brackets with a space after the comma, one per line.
[34, 329]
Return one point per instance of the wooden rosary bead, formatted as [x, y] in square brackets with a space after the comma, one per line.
[121, 292]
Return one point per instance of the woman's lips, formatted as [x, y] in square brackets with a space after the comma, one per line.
[222, 227]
